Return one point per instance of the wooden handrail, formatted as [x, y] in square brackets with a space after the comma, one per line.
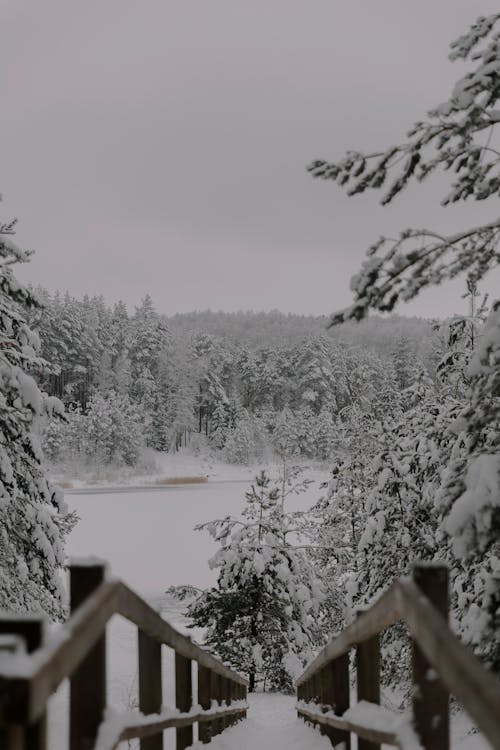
[454, 665]
[136, 610]
[27, 680]
[148, 727]
[369, 623]
[466, 678]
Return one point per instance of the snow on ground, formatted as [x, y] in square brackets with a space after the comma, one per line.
[272, 724]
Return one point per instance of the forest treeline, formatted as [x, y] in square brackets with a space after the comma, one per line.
[249, 383]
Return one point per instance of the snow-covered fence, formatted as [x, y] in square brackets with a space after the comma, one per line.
[441, 666]
[31, 671]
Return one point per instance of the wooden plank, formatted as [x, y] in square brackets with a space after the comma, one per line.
[205, 701]
[374, 735]
[430, 698]
[135, 609]
[368, 680]
[382, 614]
[150, 688]
[183, 699]
[30, 735]
[88, 681]
[335, 696]
[142, 729]
[36, 681]
[464, 676]
[147, 727]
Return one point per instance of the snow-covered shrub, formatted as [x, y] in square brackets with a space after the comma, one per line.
[471, 495]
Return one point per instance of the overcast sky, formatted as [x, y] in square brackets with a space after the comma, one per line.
[160, 145]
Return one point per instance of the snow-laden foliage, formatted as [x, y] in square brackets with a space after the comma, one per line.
[435, 485]
[33, 517]
[460, 136]
[242, 400]
[261, 616]
[110, 432]
[470, 494]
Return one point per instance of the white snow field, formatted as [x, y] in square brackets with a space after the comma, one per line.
[149, 541]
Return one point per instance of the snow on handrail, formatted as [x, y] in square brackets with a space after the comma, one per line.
[421, 604]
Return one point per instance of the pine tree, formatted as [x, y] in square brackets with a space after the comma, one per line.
[113, 430]
[34, 518]
[260, 616]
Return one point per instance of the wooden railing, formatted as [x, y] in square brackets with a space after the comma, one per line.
[27, 680]
[441, 665]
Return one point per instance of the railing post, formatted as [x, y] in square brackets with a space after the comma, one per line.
[216, 696]
[430, 697]
[28, 736]
[150, 692]
[243, 695]
[368, 679]
[223, 695]
[229, 700]
[88, 682]
[236, 696]
[205, 700]
[335, 693]
[183, 698]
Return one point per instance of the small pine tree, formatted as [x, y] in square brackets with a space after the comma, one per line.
[260, 616]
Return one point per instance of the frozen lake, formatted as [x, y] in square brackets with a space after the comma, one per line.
[148, 537]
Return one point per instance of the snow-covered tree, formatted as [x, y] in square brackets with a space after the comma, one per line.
[113, 430]
[261, 615]
[33, 518]
[457, 136]
[470, 498]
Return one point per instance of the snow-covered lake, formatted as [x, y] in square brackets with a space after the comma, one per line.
[148, 537]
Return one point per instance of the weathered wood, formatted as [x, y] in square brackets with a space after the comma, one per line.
[380, 615]
[135, 609]
[28, 735]
[474, 687]
[378, 736]
[36, 683]
[150, 689]
[430, 698]
[143, 729]
[368, 680]
[335, 696]
[88, 681]
[183, 698]
[205, 701]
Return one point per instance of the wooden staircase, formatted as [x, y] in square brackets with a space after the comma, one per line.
[31, 671]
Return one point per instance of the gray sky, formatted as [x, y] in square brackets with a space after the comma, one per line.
[160, 145]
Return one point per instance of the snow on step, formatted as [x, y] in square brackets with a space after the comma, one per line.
[272, 724]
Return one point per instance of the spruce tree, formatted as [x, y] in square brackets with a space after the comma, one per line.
[260, 617]
[33, 518]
